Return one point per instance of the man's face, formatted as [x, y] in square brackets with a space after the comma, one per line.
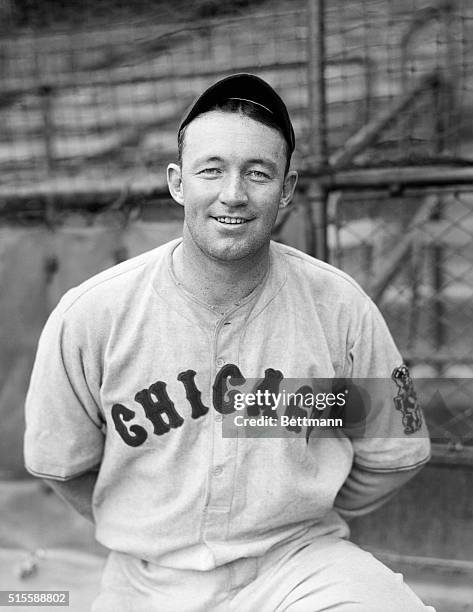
[231, 183]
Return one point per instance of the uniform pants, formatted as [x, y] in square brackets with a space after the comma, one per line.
[330, 574]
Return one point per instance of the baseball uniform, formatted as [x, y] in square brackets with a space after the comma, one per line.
[128, 377]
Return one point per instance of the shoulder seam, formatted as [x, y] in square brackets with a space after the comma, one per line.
[326, 267]
[85, 290]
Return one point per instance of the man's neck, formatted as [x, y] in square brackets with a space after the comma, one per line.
[218, 283]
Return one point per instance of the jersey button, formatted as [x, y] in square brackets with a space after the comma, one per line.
[218, 470]
[220, 362]
[218, 418]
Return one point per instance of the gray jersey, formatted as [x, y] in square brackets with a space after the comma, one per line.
[126, 376]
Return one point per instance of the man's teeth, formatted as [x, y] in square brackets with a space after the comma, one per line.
[231, 220]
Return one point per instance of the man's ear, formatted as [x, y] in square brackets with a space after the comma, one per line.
[175, 183]
[290, 182]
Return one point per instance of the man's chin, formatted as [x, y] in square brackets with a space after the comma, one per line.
[235, 252]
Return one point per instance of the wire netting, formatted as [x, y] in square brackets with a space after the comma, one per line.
[97, 101]
[92, 92]
[414, 255]
[407, 66]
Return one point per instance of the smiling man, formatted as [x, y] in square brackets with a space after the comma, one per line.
[131, 386]
[232, 179]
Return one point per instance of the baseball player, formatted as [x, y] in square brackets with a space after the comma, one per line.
[134, 378]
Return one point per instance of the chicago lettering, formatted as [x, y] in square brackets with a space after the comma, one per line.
[160, 410]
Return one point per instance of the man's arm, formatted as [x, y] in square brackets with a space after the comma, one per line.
[365, 490]
[387, 453]
[64, 437]
[77, 492]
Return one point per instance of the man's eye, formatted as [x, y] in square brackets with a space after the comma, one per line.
[210, 171]
[258, 175]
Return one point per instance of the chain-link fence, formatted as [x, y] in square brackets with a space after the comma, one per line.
[413, 253]
[408, 64]
[95, 103]
[92, 92]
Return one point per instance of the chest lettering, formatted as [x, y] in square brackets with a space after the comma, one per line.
[160, 410]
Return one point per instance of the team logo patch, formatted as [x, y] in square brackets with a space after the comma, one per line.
[406, 400]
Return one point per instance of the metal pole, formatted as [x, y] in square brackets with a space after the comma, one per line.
[45, 94]
[316, 79]
[317, 221]
[317, 195]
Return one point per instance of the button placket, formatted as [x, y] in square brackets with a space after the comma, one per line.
[224, 449]
[224, 456]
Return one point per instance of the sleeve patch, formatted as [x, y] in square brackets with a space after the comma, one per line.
[406, 400]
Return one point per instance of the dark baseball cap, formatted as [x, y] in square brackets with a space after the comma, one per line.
[248, 88]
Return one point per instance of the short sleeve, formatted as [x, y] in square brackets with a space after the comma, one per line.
[395, 435]
[63, 436]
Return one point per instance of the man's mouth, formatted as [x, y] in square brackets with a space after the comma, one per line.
[231, 220]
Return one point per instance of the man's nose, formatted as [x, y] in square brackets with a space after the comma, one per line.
[233, 192]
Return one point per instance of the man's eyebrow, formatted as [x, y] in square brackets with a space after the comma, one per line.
[206, 159]
[262, 161]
